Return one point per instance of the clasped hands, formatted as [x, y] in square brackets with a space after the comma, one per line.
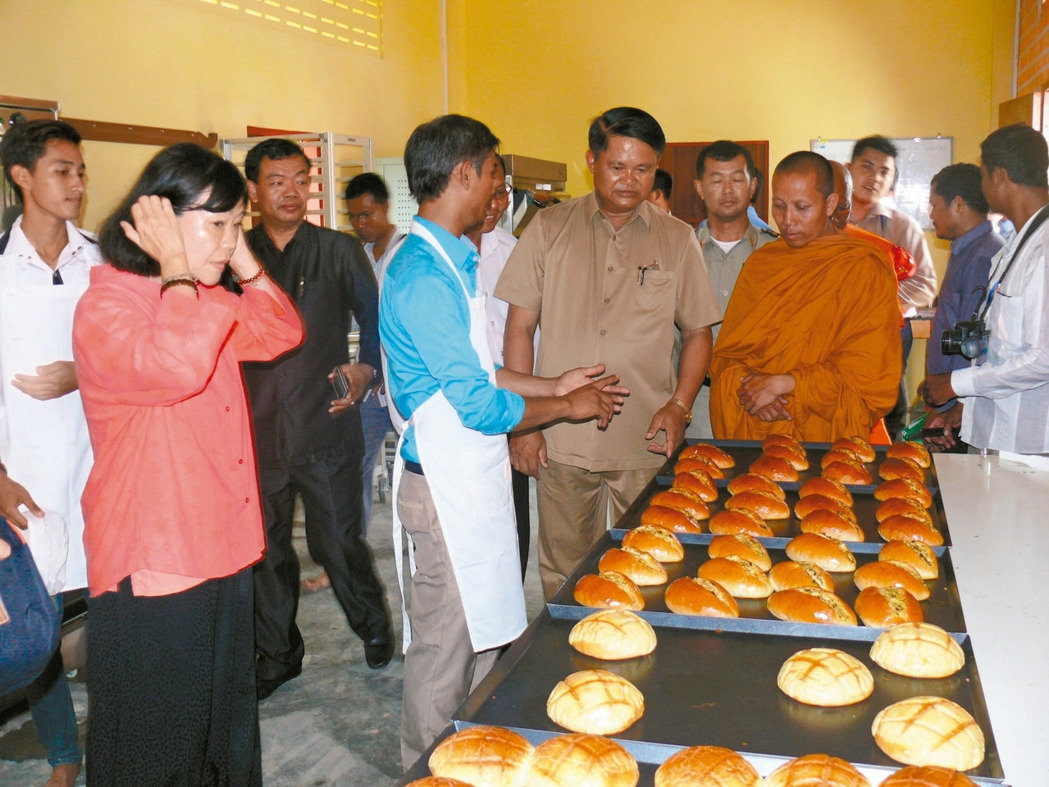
[764, 396]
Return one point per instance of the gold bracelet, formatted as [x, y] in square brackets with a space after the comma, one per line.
[253, 279]
[176, 281]
[679, 403]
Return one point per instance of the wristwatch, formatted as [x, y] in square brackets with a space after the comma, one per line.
[683, 406]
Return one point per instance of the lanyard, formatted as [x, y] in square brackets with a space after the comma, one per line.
[1035, 223]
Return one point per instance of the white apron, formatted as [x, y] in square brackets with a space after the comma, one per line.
[469, 478]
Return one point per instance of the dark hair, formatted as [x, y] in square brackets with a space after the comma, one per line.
[274, 149]
[626, 122]
[367, 183]
[436, 148]
[882, 145]
[960, 180]
[1020, 151]
[807, 161]
[663, 183]
[191, 178]
[724, 150]
[24, 143]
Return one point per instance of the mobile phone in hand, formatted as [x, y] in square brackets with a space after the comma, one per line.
[338, 382]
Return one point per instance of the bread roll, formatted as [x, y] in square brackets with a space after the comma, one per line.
[916, 554]
[692, 463]
[900, 468]
[903, 507]
[918, 650]
[595, 701]
[904, 487]
[883, 607]
[659, 543]
[709, 452]
[607, 591]
[765, 506]
[848, 474]
[639, 567]
[910, 450]
[437, 781]
[859, 446]
[698, 484]
[796, 460]
[774, 468]
[784, 440]
[838, 455]
[482, 755]
[696, 596]
[928, 776]
[791, 574]
[826, 677]
[739, 577]
[752, 482]
[581, 760]
[816, 770]
[905, 528]
[709, 766]
[806, 505]
[831, 523]
[827, 487]
[670, 519]
[887, 574]
[826, 552]
[613, 634]
[682, 501]
[728, 522]
[929, 731]
[811, 605]
[740, 545]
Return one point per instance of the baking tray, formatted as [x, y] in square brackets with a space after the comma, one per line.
[864, 504]
[943, 607]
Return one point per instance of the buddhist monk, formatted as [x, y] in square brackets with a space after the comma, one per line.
[810, 344]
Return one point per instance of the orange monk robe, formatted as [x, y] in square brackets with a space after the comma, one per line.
[826, 313]
[903, 264]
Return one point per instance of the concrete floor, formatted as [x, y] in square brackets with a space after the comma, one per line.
[336, 724]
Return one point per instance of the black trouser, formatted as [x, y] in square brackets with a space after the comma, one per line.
[171, 687]
[520, 489]
[332, 498]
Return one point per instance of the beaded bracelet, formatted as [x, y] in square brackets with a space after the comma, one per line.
[175, 281]
[253, 279]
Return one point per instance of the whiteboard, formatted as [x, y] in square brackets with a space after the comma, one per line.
[920, 158]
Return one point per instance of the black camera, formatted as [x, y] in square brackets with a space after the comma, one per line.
[967, 338]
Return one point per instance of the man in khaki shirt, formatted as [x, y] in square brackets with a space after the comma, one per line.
[608, 275]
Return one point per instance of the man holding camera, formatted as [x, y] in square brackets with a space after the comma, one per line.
[1006, 393]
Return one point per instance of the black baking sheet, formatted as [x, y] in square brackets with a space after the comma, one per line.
[942, 608]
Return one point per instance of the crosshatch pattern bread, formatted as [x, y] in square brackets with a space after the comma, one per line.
[918, 650]
[826, 677]
[905, 528]
[791, 574]
[752, 482]
[697, 596]
[670, 519]
[907, 488]
[826, 552]
[847, 473]
[774, 468]
[728, 522]
[740, 545]
[709, 452]
[613, 634]
[597, 702]
[482, 755]
[797, 460]
[827, 487]
[608, 590]
[765, 506]
[739, 577]
[859, 446]
[845, 456]
[929, 731]
[692, 464]
[700, 485]
[639, 567]
[816, 770]
[881, 608]
[682, 501]
[581, 760]
[811, 605]
[911, 451]
[659, 543]
[886, 574]
[928, 776]
[916, 554]
[708, 766]
[829, 522]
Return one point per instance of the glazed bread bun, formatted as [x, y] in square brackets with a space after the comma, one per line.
[752, 482]
[918, 650]
[765, 506]
[683, 501]
[696, 596]
[790, 574]
[816, 770]
[437, 781]
[595, 701]
[743, 546]
[888, 574]
[826, 677]
[839, 455]
[692, 463]
[739, 577]
[656, 541]
[827, 552]
[639, 567]
[900, 468]
[903, 507]
[613, 634]
[797, 460]
[883, 607]
[906, 488]
[910, 450]
[831, 523]
[699, 484]
[905, 528]
[670, 519]
[858, 446]
[928, 776]
[811, 605]
[608, 590]
[916, 554]
[710, 766]
[774, 468]
[848, 473]
[806, 505]
[581, 760]
[729, 522]
[482, 755]
[929, 731]
[709, 452]
[827, 487]
[784, 440]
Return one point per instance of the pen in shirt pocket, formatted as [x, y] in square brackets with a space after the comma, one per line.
[642, 269]
[302, 286]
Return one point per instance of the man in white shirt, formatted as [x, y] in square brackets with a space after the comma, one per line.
[1006, 390]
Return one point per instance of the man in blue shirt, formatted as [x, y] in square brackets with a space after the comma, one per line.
[958, 210]
[452, 476]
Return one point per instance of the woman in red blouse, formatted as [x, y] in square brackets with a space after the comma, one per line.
[173, 522]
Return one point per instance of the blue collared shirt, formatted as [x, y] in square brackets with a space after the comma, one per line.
[424, 324]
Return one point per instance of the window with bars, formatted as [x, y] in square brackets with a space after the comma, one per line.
[351, 23]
